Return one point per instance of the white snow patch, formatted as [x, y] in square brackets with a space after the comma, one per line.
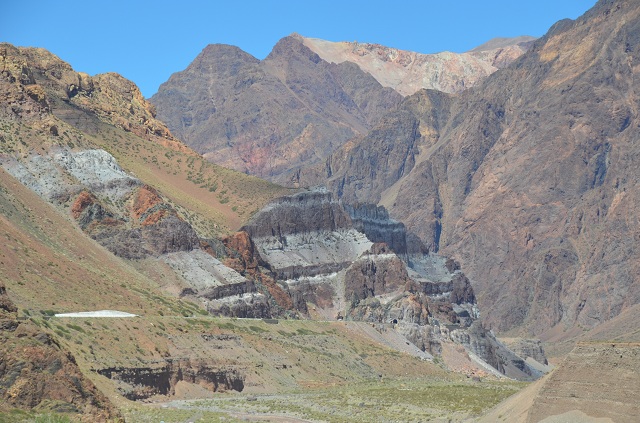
[100, 313]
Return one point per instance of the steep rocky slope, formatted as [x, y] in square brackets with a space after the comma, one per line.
[269, 117]
[408, 72]
[50, 110]
[528, 179]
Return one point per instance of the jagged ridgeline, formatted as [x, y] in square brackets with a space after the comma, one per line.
[308, 97]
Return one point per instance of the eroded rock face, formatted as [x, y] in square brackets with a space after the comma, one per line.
[302, 213]
[527, 348]
[408, 72]
[314, 254]
[481, 342]
[306, 235]
[141, 383]
[130, 219]
[375, 223]
[36, 81]
[375, 273]
[7, 307]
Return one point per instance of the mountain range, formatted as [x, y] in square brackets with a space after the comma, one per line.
[527, 178]
[524, 177]
[334, 213]
[304, 100]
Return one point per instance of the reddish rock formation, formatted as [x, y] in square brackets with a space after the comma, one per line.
[282, 299]
[242, 254]
[146, 198]
[82, 201]
[375, 273]
[245, 259]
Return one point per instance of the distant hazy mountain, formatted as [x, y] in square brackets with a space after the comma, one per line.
[408, 72]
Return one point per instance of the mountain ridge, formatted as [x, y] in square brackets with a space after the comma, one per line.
[518, 176]
[268, 117]
[408, 72]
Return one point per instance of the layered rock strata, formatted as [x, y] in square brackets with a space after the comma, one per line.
[129, 218]
[309, 244]
[142, 383]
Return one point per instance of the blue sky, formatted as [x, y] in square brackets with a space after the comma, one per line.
[148, 41]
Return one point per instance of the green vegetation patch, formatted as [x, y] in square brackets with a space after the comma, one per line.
[21, 416]
[406, 400]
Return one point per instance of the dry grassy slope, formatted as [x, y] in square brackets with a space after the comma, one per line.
[287, 360]
[283, 357]
[37, 373]
[47, 263]
[215, 200]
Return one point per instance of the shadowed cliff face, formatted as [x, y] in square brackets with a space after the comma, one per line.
[529, 179]
[141, 383]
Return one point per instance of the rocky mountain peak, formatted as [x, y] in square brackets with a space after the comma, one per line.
[221, 58]
[269, 117]
[291, 46]
[40, 85]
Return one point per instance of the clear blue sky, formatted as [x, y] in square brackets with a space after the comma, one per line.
[148, 41]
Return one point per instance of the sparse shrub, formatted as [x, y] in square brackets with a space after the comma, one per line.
[75, 327]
